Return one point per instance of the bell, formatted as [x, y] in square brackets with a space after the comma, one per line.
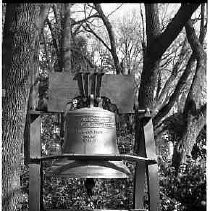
[90, 131]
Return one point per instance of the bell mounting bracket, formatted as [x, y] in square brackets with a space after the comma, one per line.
[63, 87]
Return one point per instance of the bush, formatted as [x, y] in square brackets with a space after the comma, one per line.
[185, 190]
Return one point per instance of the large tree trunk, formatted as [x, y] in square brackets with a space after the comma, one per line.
[19, 37]
[149, 75]
[195, 110]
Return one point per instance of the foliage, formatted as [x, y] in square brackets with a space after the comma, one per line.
[186, 190]
[199, 148]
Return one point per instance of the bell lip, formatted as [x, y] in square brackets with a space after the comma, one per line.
[65, 168]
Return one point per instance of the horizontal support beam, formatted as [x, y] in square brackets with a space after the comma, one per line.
[43, 112]
[105, 157]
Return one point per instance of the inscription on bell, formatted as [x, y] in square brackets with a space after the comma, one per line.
[97, 122]
[85, 132]
[90, 131]
[89, 138]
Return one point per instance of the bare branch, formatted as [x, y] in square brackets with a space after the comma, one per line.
[194, 41]
[55, 42]
[111, 37]
[114, 10]
[195, 93]
[181, 83]
[203, 28]
[91, 6]
[97, 36]
[143, 43]
[85, 19]
[158, 85]
[173, 29]
[54, 7]
[173, 74]
[156, 46]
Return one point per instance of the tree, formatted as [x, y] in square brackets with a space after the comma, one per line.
[129, 42]
[157, 43]
[21, 30]
[87, 24]
[60, 28]
[111, 37]
[68, 52]
[195, 110]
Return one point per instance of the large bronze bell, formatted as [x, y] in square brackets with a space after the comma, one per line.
[90, 131]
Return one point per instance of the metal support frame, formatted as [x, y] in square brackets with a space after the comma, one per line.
[145, 146]
[146, 162]
[104, 157]
[35, 167]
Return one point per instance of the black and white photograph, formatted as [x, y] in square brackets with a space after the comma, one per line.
[104, 106]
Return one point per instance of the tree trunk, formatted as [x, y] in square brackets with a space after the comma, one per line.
[66, 39]
[195, 110]
[149, 77]
[19, 36]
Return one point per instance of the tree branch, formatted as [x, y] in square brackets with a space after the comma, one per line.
[54, 7]
[181, 83]
[55, 42]
[114, 10]
[195, 93]
[155, 50]
[143, 42]
[194, 41]
[203, 28]
[97, 36]
[111, 37]
[160, 45]
[85, 19]
[172, 77]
